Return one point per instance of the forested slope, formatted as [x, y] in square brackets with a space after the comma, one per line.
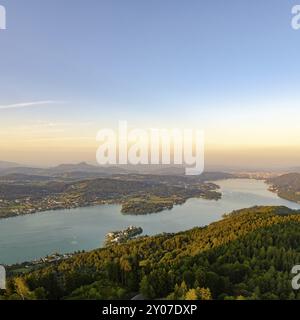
[247, 255]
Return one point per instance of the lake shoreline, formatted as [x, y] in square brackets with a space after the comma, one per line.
[29, 237]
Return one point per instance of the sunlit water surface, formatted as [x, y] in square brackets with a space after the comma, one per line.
[29, 237]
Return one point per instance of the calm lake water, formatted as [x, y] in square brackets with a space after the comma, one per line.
[34, 236]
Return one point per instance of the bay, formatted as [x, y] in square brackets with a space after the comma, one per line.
[29, 237]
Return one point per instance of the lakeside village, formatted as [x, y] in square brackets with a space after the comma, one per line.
[29, 266]
[29, 206]
[55, 257]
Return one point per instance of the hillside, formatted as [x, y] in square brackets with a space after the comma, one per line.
[287, 186]
[247, 255]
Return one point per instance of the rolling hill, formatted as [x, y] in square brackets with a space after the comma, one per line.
[287, 186]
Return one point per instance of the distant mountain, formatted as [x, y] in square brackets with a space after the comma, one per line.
[6, 164]
[19, 177]
[23, 170]
[80, 170]
[84, 170]
[82, 166]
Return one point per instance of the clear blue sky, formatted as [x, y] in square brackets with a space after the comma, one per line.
[148, 60]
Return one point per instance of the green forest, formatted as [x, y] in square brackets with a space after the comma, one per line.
[249, 254]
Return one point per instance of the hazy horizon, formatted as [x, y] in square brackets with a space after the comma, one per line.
[246, 160]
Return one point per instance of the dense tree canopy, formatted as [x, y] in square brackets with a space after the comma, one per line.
[247, 255]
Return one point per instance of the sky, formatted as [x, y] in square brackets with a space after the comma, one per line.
[230, 68]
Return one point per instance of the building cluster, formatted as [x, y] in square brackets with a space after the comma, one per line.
[122, 236]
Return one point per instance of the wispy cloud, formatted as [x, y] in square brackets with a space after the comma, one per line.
[29, 104]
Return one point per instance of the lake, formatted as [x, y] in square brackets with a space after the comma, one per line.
[34, 236]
